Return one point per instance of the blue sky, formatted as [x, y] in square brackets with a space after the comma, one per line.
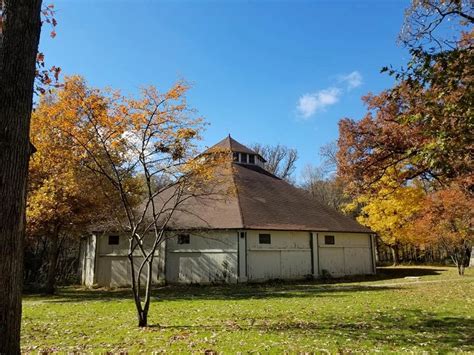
[263, 71]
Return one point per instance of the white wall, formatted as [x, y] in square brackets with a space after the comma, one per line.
[210, 257]
[113, 266]
[225, 256]
[287, 257]
[88, 254]
[352, 254]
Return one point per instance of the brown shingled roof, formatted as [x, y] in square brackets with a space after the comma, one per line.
[261, 201]
[267, 202]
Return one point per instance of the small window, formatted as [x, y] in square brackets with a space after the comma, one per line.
[183, 239]
[243, 157]
[251, 159]
[235, 156]
[114, 239]
[329, 239]
[265, 239]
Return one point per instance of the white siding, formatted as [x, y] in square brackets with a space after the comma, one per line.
[88, 252]
[242, 257]
[113, 266]
[210, 257]
[351, 254]
[224, 256]
[115, 271]
[287, 257]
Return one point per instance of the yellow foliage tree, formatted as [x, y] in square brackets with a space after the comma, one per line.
[389, 211]
[62, 193]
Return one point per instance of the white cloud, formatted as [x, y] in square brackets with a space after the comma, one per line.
[309, 104]
[352, 80]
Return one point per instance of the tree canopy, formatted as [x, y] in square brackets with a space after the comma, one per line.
[422, 129]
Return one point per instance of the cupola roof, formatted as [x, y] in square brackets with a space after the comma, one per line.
[231, 144]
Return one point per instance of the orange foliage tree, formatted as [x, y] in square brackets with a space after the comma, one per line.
[423, 125]
[62, 192]
[144, 149]
[447, 220]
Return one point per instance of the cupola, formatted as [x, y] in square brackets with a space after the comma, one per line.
[240, 153]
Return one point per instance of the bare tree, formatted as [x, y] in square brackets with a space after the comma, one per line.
[20, 27]
[321, 181]
[281, 160]
[433, 22]
[323, 188]
[144, 150]
[328, 153]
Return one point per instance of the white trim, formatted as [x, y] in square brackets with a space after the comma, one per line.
[204, 251]
[124, 255]
[275, 249]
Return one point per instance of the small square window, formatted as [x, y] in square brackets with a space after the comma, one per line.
[329, 239]
[243, 157]
[251, 159]
[114, 240]
[235, 156]
[183, 239]
[265, 239]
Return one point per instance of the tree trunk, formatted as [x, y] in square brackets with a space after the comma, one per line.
[142, 310]
[53, 253]
[395, 254]
[19, 37]
[143, 319]
[142, 305]
[463, 259]
[149, 278]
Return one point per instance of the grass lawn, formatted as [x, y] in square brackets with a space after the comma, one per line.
[386, 312]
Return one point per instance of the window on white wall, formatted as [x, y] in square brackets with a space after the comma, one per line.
[114, 240]
[251, 159]
[264, 239]
[243, 157]
[329, 239]
[183, 239]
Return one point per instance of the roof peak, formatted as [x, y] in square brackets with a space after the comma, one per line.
[232, 145]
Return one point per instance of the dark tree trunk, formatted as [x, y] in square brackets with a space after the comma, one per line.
[142, 305]
[53, 253]
[461, 259]
[143, 319]
[19, 37]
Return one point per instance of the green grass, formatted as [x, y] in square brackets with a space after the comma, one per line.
[388, 313]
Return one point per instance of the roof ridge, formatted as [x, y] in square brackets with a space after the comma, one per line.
[237, 195]
[266, 202]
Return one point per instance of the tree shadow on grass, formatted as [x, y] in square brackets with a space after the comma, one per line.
[411, 328]
[391, 273]
[386, 273]
[226, 292]
[271, 289]
[78, 294]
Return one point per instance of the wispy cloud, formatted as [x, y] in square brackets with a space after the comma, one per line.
[309, 104]
[352, 80]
